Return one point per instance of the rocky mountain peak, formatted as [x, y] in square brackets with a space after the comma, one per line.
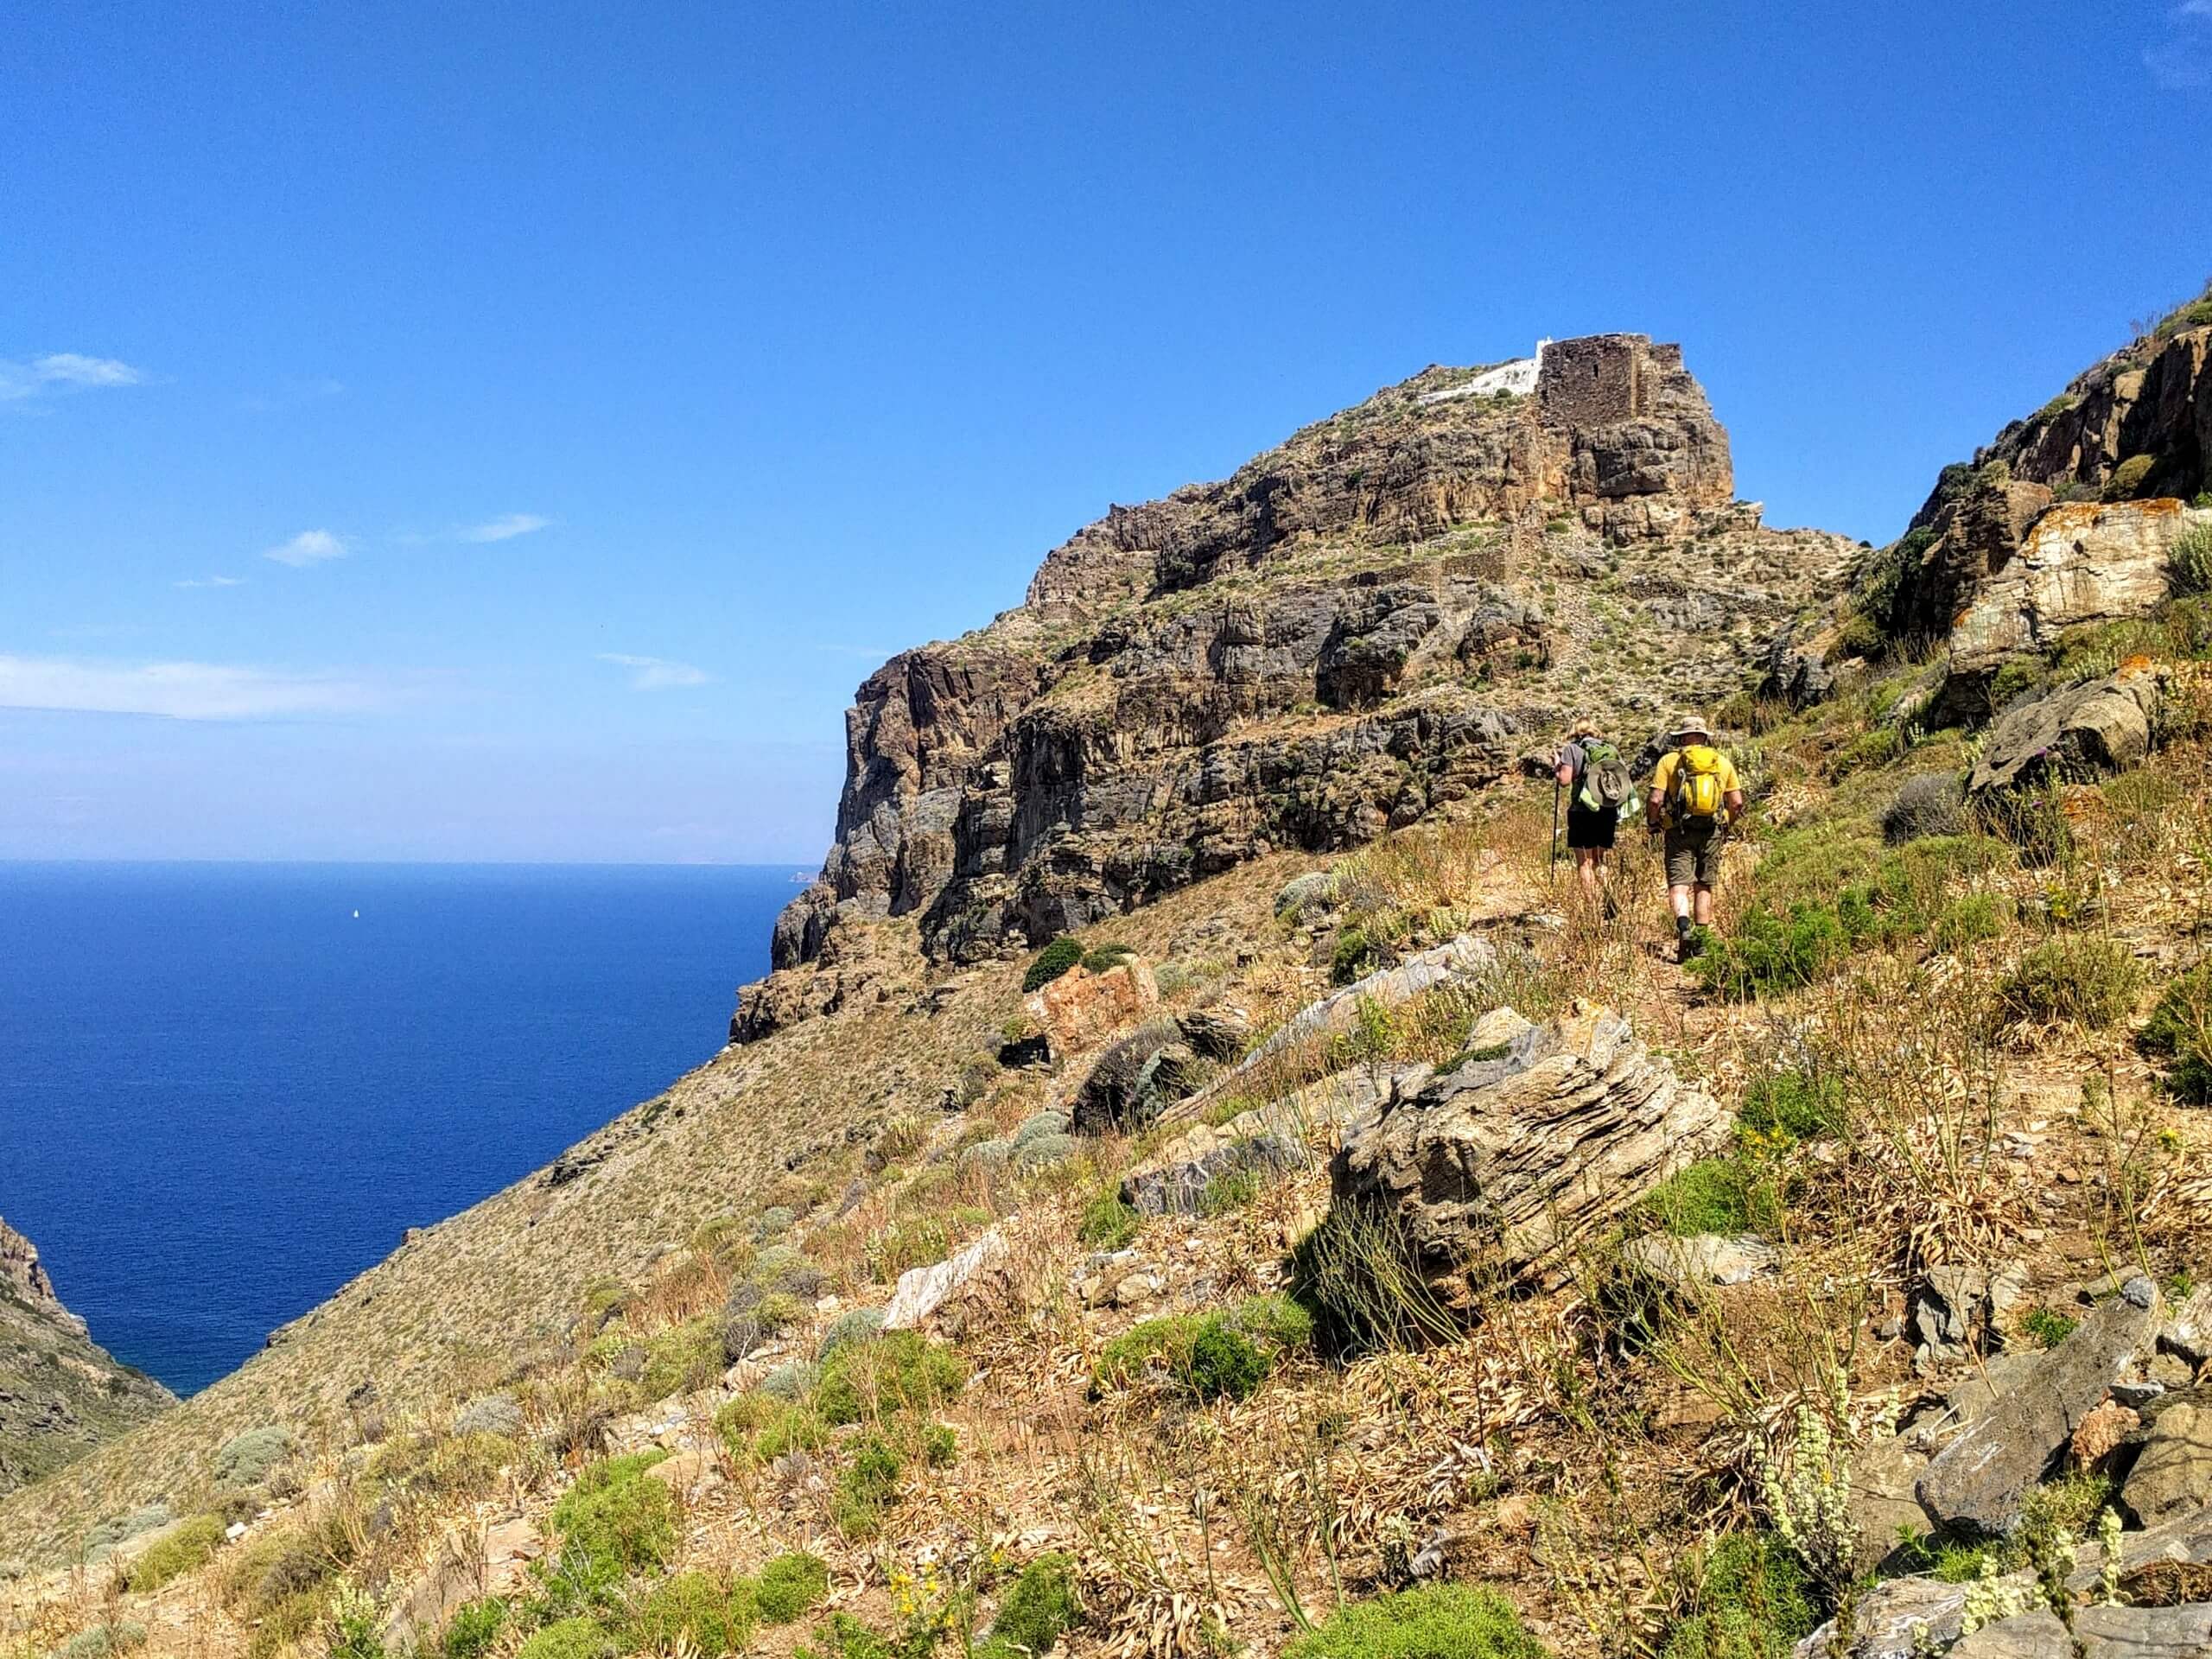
[1365, 624]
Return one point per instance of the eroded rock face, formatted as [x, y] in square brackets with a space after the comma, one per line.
[1364, 626]
[1494, 1166]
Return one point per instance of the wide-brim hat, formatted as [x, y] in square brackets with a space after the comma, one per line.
[1690, 725]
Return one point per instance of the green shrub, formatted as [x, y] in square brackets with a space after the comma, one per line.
[1110, 955]
[1108, 1223]
[940, 1446]
[789, 1586]
[121, 1635]
[2090, 981]
[2189, 562]
[885, 1374]
[1354, 955]
[2047, 1325]
[474, 1627]
[614, 1516]
[1932, 804]
[1715, 1195]
[869, 1486]
[1797, 1105]
[1210, 1356]
[2125, 481]
[182, 1552]
[1768, 955]
[2180, 1031]
[1437, 1621]
[2022, 677]
[571, 1638]
[914, 1242]
[1357, 1272]
[1051, 962]
[793, 1380]
[855, 1325]
[1041, 1605]
[1753, 1602]
[245, 1459]
[846, 1637]
[713, 1614]
[1969, 919]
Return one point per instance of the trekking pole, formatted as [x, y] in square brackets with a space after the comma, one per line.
[1551, 871]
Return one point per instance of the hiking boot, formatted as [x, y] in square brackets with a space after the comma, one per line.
[1682, 950]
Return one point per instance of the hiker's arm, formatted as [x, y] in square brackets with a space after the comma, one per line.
[1652, 796]
[1735, 805]
[1564, 773]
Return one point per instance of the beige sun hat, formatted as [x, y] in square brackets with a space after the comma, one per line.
[1690, 725]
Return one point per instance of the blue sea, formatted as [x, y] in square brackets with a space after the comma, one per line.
[224, 1092]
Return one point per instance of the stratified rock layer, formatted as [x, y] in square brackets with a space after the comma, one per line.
[1364, 626]
[1492, 1168]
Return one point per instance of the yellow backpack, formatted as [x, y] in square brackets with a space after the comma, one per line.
[1695, 793]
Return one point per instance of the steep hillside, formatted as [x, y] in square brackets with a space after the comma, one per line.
[1358, 1242]
[60, 1394]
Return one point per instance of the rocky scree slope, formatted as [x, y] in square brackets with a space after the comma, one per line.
[60, 1394]
[1368, 623]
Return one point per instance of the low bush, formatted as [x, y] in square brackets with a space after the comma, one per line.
[474, 1629]
[895, 1371]
[789, 1586]
[1357, 1272]
[2090, 981]
[614, 1517]
[1041, 1605]
[2048, 1326]
[571, 1638]
[118, 1637]
[2189, 562]
[1108, 1223]
[1794, 1105]
[1716, 1195]
[2126, 481]
[2179, 1031]
[246, 1460]
[709, 1612]
[1049, 963]
[1437, 1621]
[1209, 1356]
[1353, 956]
[869, 1486]
[1768, 955]
[1753, 1601]
[182, 1551]
[914, 1242]
[1969, 919]
[1110, 955]
[1932, 804]
[855, 1325]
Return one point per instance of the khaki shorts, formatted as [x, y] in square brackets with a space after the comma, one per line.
[1693, 856]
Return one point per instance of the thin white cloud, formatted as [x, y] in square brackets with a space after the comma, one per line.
[656, 673]
[506, 529]
[308, 547]
[180, 690]
[68, 371]
[2182, 62]
[212, 581]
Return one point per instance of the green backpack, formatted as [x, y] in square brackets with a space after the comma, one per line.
[1603, 784]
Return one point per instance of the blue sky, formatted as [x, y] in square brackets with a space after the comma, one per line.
[510, 432]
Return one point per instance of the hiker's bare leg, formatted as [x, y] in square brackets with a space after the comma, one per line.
[1587, 862]
[1704, 905]
[1680, 896]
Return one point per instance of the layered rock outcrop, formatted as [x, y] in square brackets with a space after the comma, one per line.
[2066, 517]
[1364, 625]
[59, 1393]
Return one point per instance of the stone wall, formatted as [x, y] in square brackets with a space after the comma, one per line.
[1601, 378]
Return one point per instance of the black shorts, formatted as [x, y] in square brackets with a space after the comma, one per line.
[1590, 829]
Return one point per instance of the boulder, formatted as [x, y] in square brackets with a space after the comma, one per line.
[921, 1291]
[1492, 1168]
[1218, 1032]
[1897, 1618]
[1081, 1008]
[1975, 1484]
[2172, 1474]
[1134, 1080]
[2103, 725]
[1884, 1479]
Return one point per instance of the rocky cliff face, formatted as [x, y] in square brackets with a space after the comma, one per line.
[2135, 428]
[1363, 625]
[60, 1395]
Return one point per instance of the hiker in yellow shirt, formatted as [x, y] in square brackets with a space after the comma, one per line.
[1694, 794]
